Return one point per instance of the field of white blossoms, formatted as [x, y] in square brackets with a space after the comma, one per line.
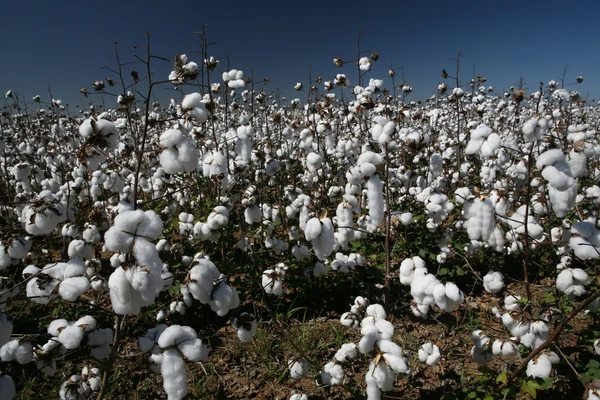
[348, 244]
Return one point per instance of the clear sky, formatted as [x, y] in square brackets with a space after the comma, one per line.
[64, 44]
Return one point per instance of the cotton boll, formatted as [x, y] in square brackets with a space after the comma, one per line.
[298, 368]
[71, 336]
[377, 311]
[246, 326]
[493, 282]
[172, 369]
[323, 244]
[429, 354]
[572, 281]
[332, 374]
[375, 202]
[539, 367]
[312, 229]
[348, 351]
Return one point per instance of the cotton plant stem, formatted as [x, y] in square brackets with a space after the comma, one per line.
[517, 372]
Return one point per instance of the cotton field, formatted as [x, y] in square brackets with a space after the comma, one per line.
[149, 232]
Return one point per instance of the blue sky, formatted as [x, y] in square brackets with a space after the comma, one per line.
[64, 44]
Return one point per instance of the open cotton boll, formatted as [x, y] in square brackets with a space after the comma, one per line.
[71, 336]
[224, 298]
[585, 240]
[375, 202]
[332, 374]
[493, 282]
[572, 281]
[102, 133]
[411, 267]
[312, 229]
[172, 369]
[480, 219]
[430, 354]
[192, 103]
[246, 326]
[323, 244]
[347, 352]
[179, 154]
[19, 350]
[381, 375]
[298, 368]
[539, 367]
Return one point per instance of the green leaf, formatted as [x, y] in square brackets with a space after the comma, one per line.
[423, 253]
[502, 378]
[459, 271]
[547, 383]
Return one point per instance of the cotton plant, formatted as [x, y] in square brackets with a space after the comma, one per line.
[170, 347]
[389, 359]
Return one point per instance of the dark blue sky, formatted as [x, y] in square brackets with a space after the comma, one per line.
[64, 44]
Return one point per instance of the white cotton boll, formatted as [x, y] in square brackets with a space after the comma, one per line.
[323, 244]
[334, 374]
[70, 289]
[56, 326]
[577, 163]
[348, 351]
[370, 336]
[373, 392]
[572, 281]
[298, 368]
[549, 157]
[559, 178]
[124, 299]
[382, 375]
[493, 282]
[512, 303]
[539, 367]
[312, 229]
[8, 390]
[430, 354]
[71, 336]
[406, 218]
[375, 202]
[377, 311]
[480, 219]
[597, 346]
[172, 369]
